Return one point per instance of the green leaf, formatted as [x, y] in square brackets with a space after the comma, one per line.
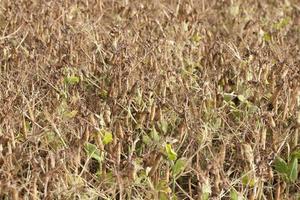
[174, 197]
[92, 151]
[296, 154]
[164, 126]
[107, 137]
[234, 194]
[53, 141]
[206, 191]
[246, 180]
[196, 38]
[70, 114]
[179, 166]
[103, 94]
[252, 108]
[282, 23]
[146, 139]
[228, 97]
[172, 155]
[72, 80]
[163, 186]
[281, 166]
[163, 196]
[74, 180]
[154, 134]
[293, 170]
[241, 98]
[267, 37]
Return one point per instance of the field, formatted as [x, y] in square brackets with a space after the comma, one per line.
[149, 99]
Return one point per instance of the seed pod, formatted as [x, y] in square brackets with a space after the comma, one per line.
[93, 121]
[155, 164]
[248, 154]
[152, 112]
[251, 195]
[217, 183]
[284, 73]
[222, 154]
[77, 156]
[34, 189]
[120, 83]
[158, 114]
[285, 111]
[111, 91]
[134, 88]
[14, 193]
[9, 148]
[298, 119]
[181, 130]
[99, 142]
[174, 98]
[119, 131]
[131, 171]
[164, 94]
[272, 122]
[106, 117]
[272, 83]
[86, 135]
[149, 159]
[52, 160]
[24, 128]
[275, 96]
[270, 173]
[263, 137]
[142, 118]
[265, 73]
[167, 176]
[278, 192]
[119, 150]
[13, 141]
[294, 97]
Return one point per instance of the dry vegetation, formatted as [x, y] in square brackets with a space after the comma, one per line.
[148, 99]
